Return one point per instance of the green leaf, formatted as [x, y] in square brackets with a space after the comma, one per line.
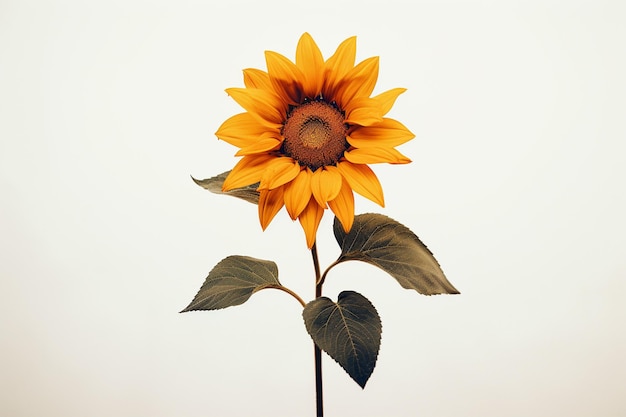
[387, 244]
[214, 184]
[348, 330]
[232, 281]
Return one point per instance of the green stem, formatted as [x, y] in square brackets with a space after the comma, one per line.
[319, 403]
[320, 280]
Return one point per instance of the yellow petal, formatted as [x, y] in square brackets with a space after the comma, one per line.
[242, 130]
[325, 184]
[248, 170]
[311, 62]
[310, 220]
[389, 133]
[261, 145]
[265, 107]
[388, 98]
[338, 65]
[285, 77]
[298, 193]
[363, 111]
[359, 82]
[279, 171]
[362, 180]
[343, 206]
[270, 203]
[376, 156]
[256, 78]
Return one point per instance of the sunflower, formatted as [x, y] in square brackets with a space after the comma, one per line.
[309, 132]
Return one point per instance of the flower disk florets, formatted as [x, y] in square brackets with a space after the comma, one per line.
[315, 134]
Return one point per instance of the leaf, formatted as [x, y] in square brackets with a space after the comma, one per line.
[348, 330]
[387, 244]
[214, 184]
[232, 281]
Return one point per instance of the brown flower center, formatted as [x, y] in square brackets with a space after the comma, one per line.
[315, 134]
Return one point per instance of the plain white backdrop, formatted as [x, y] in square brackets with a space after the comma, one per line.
[517, 186]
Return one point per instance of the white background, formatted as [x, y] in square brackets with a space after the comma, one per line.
[517, 185]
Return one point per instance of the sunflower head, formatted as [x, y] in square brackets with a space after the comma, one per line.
[308, 133]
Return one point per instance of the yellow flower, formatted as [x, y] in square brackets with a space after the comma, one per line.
[308, 133]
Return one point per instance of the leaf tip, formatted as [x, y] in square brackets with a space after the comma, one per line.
[187, 309]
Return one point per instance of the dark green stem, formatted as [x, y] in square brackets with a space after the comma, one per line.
[321, 279]
[319, 403]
